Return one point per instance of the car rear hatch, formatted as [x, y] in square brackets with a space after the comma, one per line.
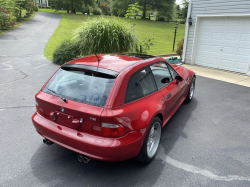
[76, 95]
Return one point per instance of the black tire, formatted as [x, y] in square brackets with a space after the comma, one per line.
[190, 91]
[144, 155]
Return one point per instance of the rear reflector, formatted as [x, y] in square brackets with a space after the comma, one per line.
[39, 109]
[109, 130]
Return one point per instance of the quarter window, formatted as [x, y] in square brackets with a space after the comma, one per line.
[161, 74]
[140, 84]
[172, 71]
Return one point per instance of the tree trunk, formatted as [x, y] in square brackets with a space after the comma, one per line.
[72, 7]
[144, 10]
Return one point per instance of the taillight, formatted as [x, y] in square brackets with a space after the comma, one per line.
[39, 109]
[109, 130]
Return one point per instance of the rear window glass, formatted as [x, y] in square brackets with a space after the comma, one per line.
[81, 86]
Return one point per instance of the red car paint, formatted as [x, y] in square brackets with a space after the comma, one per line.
[135, 116]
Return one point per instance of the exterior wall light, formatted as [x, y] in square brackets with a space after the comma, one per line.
[190, 21]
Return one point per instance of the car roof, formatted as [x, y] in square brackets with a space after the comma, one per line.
[114, 62]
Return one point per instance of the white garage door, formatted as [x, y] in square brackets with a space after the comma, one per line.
[224, 43]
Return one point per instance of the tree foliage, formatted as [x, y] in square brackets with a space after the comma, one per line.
[72, 5]
[184, 10]
[134, 11]
[159, 5]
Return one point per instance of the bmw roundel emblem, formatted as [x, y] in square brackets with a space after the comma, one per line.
[62, 110]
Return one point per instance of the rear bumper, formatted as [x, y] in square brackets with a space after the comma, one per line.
[95, 147]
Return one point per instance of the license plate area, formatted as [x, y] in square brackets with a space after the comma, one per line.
[64, 119]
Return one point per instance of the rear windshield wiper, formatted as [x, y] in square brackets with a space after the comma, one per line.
[65, 100]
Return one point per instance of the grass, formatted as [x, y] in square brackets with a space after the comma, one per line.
[162, 33]
[18, 24]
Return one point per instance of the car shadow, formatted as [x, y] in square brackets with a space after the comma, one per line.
[57, 166]
[173, 130]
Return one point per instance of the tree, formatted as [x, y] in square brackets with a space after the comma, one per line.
[133, 11]
[71, 5]
[159, 5]
[184, 9]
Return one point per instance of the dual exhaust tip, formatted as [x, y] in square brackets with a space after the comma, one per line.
[47, 142]
[84, 159]
[81, 158]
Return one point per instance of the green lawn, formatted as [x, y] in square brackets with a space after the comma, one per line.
[162, 40]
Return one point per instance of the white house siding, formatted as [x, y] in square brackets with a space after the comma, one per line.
[211, 8]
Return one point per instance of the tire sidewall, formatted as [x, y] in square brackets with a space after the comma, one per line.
[143, 155]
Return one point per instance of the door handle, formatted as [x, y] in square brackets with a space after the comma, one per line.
[169, 95]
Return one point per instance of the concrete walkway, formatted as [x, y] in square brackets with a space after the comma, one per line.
[226, 76]
[217, 74]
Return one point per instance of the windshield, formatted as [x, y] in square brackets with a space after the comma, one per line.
[81, 86]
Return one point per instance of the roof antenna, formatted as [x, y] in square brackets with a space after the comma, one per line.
[97, 57]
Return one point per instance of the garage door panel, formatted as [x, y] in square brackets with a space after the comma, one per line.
[217, 36]
[241, 65]
[231, 37]
[204, 35]
[243, 52]
[213, 62]
[215, 49]
[245, 38]
[226, 64]
[202, 48]
[200, 60]
[219, 22]
[246, 22]
[224, 42]
[228, 50]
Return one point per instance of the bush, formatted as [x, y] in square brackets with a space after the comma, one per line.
[180, 47]
[161, 19]
[36, 8]
[100, 36]
[182, 22]
[66, 51]
[97, 11]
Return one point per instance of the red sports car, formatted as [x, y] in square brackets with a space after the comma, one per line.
[111, 107]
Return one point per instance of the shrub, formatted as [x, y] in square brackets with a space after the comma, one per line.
[182, 22]
[66, 51]
[161, 19]
[6, 18]
[100, 36]
[180, 47]
[97, 11]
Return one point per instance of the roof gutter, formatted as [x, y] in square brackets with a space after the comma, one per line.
[186, 32]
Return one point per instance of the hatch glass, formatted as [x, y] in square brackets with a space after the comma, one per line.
[91, 88]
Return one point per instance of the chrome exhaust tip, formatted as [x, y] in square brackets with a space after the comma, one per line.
[80, 158]
[86, 160]
[49, 142]
[44, 141]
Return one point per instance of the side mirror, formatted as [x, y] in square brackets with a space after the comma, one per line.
[165, 80]
[179, 78]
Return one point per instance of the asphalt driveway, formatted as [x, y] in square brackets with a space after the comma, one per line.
[206, 143]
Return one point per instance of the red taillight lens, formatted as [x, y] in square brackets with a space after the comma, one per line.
[39, 109]
[109, 130]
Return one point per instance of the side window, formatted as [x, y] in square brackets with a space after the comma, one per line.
[140, 84]
[172, 71]
[161, 74]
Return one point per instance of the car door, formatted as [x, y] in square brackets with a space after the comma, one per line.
[168, 86]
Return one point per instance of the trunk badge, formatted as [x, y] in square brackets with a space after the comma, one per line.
[62, 109]
[81, 120]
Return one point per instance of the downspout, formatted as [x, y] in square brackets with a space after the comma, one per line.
[186, 32]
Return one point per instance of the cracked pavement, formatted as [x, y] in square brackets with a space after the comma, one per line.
[206, 143]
